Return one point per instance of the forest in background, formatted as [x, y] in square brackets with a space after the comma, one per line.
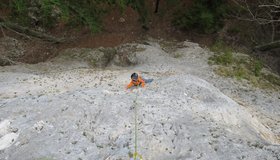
[238, 23]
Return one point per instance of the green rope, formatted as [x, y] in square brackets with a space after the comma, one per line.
[135, 126]
[135, 155]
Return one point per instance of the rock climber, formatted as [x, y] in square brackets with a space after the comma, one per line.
[137, 80]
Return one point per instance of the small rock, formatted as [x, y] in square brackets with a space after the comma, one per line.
[24, 141]
[14, 130]
[121, 20]
[39, 126]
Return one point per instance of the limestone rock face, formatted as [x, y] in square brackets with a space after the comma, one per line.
[94, 57]
[67, 109]
[126, 55]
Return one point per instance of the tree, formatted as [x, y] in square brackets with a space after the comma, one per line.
[157, 5]
[265, 14]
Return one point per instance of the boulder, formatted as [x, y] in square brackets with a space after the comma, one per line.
[125, 55]
[99, 57]
[5, 61]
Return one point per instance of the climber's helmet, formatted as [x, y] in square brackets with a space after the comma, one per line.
[134, 76]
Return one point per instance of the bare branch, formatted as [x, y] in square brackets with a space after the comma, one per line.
[24, 31]
[23, 35]
[2, 31]
[263, 13]
[268, 46]
[248, 8]
[264, 5]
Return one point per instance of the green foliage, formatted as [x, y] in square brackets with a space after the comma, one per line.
[140, 7]
[224, 58]
[224, 54]
[233, 30]
[272, 78]
[240, 72]
[171, 3]
[47, 9]
[122, 4]
[241, 67]
[219, 46]
[206, 21]
[20, 11]
[177, 55]
[205, 16]
[257, 68]
[3, 5]
[48, 13]
[19, 6]
[86, 16]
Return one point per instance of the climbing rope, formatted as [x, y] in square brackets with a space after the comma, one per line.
[135, 154]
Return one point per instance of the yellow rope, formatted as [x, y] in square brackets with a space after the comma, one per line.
[135, 155]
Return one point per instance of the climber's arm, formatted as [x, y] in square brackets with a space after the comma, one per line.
[129, 85]
[142, 82]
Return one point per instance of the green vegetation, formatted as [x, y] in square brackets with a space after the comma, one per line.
[177, 55]
[225, 58]
[140, 7]
[20, 10]
[48, 13]
[241, 67]
[224, 54]
[257, 68]
[233, 30]
[204, 16]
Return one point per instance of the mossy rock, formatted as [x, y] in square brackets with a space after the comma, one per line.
[126, 55]
[4, 61]
[99, 57]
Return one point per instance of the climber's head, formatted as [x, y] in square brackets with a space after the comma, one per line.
[134, 76]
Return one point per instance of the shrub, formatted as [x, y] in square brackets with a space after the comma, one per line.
[204, 15]
[223, 54]
[241, 67]
[257, 68]
[223, 59]
[20, 10]
[241, 73]
[47, 13]
[272, 79]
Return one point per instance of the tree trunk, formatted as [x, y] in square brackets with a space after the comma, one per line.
[268, 46]
[157, 5]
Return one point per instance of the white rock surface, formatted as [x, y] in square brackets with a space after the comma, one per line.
[7, 137]
[188, 112]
